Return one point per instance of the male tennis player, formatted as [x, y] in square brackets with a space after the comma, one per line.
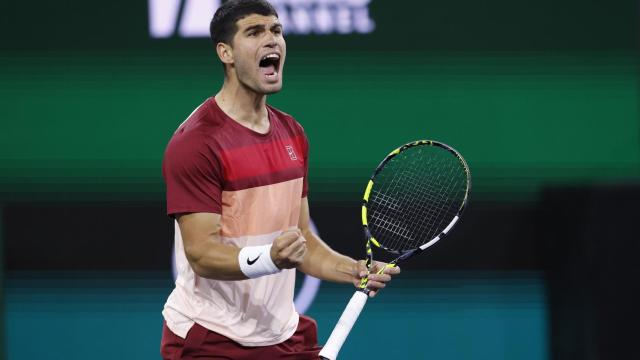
[236, 175]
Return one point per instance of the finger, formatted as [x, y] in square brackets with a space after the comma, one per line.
[372, 293]
[282, 243]
[380, 277]
[291, 234]
[300, 244]
[393, 270]
[294, 249]
[361, 269]
[287, 238]
[294, 246]
[375, 285]
[299, 255]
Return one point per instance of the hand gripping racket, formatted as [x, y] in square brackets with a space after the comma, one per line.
[414, 198]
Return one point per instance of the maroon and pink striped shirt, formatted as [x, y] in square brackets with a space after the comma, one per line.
[256, 183]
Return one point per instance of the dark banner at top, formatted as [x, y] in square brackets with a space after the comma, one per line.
[328, 24]
[190, 18]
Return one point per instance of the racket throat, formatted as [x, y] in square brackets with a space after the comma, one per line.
[407, 255]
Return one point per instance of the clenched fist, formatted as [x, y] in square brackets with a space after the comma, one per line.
[288, 249]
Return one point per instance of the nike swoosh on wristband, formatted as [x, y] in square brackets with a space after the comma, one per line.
[251, 262]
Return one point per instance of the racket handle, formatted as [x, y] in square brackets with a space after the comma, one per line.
[344, 325]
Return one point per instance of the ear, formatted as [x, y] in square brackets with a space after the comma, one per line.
[225, 53]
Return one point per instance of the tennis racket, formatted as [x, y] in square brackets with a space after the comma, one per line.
[414, 198]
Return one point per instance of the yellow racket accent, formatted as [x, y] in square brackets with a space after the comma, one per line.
[375, 242]
[365, 280]
[381, 271]
[368, 190]
[404, 185]
[364, 215]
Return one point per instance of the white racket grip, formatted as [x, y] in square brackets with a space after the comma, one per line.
[344, 325]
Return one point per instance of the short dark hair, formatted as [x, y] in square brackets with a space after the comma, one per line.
[223, 24]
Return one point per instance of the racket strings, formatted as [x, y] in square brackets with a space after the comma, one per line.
[415, 196]
[384, 215]
[385, 220]
[441, 202]
[426, 197]
[449, 209]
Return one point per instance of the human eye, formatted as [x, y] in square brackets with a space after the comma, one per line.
[253, 32]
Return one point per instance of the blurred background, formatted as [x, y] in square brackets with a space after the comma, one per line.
[541, 97]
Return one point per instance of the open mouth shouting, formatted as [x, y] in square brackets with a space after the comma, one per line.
[270, 66]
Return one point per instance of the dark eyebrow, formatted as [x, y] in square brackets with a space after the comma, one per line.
[276, 26]
[254, 27]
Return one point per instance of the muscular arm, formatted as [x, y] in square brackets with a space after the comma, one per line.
[208, 257]
[324, 263]
[321, 261]
[211, 259]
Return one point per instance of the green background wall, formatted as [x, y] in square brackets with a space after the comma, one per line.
[99, 122]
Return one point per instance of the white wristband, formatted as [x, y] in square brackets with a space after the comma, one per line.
[255, 261]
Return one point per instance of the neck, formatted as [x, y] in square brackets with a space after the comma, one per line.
[244, 105]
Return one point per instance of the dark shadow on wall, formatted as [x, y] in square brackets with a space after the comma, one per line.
[590, 237]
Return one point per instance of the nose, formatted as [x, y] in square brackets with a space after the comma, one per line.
[271, 42]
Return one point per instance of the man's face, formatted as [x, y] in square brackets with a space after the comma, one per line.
[259, 51]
